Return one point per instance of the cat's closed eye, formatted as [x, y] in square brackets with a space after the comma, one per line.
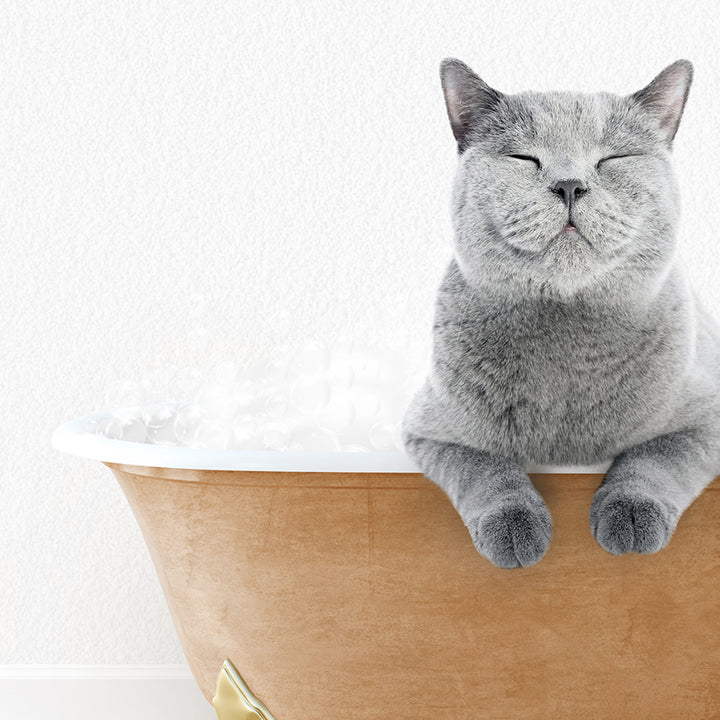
[615, 157]
[526, 158]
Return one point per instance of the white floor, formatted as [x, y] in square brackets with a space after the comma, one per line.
[125, 695]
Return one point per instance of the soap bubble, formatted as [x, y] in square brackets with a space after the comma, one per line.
[343, 343]
[160, 424]
[133, 426]
[391, 366]
[338, 414]
[246, 393]
[188, 419]
[218, 400]
[367, 405]
[91, 425]
[304, 398]
[122, 425]
[274, 435]
[277, 368]
[340, 371]
[213, 433]
[414, 382]
[110, 427]
[246, 433]
[382, 436]
[353, 447]
[276, 405]
[366, 367]
[393, 405]
[313, 359]
[314, 439]
[309, 395]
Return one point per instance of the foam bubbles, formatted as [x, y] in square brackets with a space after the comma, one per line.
[213, 433]
[276, 404]
[225, 373]
[124, 424]
[314, 439]
[160, 424]
[313, 359]
[133, 428]
[310, 394]
[338, 414]
[275, 436]
[310, 398]
[382, 436]
[246, 433]
[187, 421]
[217, 399]
[246, 393]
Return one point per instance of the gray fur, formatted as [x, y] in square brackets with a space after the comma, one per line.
[562, 348]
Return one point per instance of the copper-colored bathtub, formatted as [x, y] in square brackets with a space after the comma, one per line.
[358, 595]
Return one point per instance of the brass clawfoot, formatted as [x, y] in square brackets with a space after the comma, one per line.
[233, 699]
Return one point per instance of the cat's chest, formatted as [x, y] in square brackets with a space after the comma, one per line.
[531, 382]
[504, 370]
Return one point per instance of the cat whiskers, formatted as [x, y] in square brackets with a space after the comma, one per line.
[607, 212]
[519, 216]
[528, 223]
[622, 223]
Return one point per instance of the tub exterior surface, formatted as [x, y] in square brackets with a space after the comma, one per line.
[356, 596]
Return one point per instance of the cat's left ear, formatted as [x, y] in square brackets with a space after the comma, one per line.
[467, 98]
[665, 96]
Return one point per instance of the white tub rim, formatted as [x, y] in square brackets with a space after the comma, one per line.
[77, 437]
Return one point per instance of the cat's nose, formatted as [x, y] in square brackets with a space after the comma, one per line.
[569, 190]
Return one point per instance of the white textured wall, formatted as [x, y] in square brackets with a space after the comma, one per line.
[269, 155]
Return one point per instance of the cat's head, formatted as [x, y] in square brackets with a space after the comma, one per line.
[560, 191]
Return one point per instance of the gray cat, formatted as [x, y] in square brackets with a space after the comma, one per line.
[564, 330]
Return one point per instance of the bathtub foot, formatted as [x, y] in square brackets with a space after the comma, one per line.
[233, 699]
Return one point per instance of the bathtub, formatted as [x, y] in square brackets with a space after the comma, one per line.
[344, 586]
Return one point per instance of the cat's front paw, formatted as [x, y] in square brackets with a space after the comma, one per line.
[623, 521]
[513, 533]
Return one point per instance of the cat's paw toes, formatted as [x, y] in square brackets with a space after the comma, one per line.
[513, 534]
[623, 522]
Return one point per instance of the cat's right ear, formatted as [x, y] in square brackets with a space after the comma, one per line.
[467, 97]
[665, 97]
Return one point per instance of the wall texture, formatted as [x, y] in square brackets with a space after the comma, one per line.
[290, 162]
